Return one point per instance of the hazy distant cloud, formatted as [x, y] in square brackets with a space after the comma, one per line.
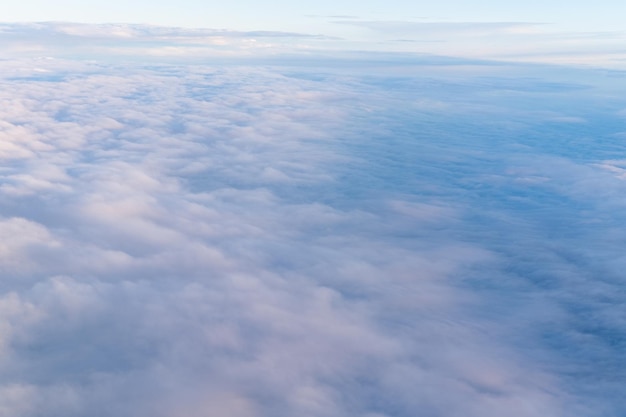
[134, 31]
[510, 41]
[447, 28]
[342, 16]
[92, 41]
[521, 41]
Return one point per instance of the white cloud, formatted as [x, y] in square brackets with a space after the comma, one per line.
[503, 41]
[277, 241]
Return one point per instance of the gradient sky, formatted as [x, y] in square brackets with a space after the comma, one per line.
[578, 15]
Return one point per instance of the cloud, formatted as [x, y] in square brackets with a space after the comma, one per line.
[459, 42]
[516, 41]
[442, 28]
[121, 31]
[279, 240]
[94, 41]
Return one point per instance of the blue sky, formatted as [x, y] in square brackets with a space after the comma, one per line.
[286, 15]
[573, 15]
[368, 210]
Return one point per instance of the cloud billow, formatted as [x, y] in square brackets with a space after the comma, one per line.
[211, 240]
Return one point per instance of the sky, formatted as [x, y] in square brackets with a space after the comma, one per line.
[575, 15]
[335, 220]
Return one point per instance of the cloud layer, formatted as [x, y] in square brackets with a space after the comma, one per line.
[338, 36]
[203, 240]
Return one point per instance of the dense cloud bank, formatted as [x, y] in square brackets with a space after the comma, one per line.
[280, 241]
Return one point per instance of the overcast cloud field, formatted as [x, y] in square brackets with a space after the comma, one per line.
[194, 228]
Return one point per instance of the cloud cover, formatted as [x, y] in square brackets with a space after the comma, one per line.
[279, 240]
[340, 36]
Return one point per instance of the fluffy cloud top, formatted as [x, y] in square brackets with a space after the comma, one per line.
[205, 240]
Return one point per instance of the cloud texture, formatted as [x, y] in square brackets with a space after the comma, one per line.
[202, 240]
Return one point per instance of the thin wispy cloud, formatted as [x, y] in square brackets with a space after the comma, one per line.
[500, 41]
[83, 40]
[521, 41]
[447, 28]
